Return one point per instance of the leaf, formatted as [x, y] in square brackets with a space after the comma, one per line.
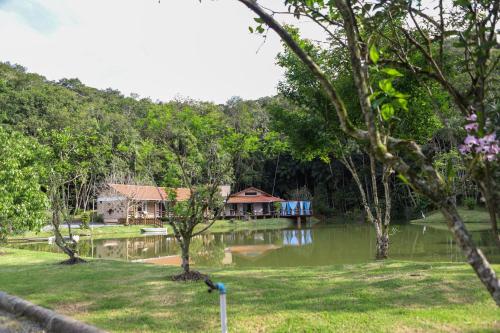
[258, 20]
[378, 102]
[392, 72]
[387, 111]
[386, 86]
[374, 55]
[403, 103]
[250, 29]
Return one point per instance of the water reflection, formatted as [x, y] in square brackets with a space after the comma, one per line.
[323, 245]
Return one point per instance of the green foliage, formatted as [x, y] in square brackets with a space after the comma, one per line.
[22, 203]
[470, 203]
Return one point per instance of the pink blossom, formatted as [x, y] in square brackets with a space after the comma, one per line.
[494, 149]
[491, 157]
[490, 138]
[464, 149]
[471, 127]
[471, 140]
[472, 117]
[482, 149]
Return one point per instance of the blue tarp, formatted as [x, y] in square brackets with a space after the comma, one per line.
[306, 205]
[293, 206]
[284, 206]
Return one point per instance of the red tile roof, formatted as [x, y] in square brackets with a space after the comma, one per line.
[261, 196]
[149, 193]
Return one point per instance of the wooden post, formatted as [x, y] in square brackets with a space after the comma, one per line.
[127, 213]
[298, 221]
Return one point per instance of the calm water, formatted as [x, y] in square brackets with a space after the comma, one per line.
[309, 246]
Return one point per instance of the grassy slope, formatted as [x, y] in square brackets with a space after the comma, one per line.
[475, 220]
[376, 297]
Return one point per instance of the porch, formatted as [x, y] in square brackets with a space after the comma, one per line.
[268, 209]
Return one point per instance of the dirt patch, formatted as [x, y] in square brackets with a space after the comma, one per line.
[73, 261]
[190, 276]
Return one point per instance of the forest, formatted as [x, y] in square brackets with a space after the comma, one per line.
[273, 143]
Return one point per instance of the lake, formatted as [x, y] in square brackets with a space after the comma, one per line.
[320, 244]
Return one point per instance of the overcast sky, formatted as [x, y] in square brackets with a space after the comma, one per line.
[162, 50]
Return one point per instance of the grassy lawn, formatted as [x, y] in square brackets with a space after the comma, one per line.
[377, 297]
[102, 232]
[237, 225]
[128, 231]
[475, 220]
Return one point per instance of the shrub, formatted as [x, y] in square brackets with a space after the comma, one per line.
[470, 203]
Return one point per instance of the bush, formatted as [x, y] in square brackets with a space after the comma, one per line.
[470, 203]
[85, 217]
[98, 218]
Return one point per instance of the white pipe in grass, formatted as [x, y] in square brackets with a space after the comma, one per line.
[223, 314]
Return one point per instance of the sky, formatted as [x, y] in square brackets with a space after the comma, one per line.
[158, 49]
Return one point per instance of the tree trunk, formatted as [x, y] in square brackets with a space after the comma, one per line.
[488, 189]
[382, 247]
[185, 255]
[474, 255]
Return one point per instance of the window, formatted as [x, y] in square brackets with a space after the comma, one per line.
[250, 193]
[142, 207]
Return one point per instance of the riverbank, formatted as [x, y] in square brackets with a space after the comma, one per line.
[121, 231]
[262, 224]
[475, 220]
[109, 231]
[381, 296]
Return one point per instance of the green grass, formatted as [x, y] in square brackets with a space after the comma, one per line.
[129, 231]
[377, 297]
[103, 232]
[240, 225]
[475, 220]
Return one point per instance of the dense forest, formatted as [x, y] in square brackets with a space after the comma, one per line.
[272, 142]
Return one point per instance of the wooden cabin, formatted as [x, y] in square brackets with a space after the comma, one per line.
[120, 203]
[255, 203]
[251, 202]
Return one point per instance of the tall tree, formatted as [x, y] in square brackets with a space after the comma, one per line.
[473, 22]
[200, 164]
[23, 205]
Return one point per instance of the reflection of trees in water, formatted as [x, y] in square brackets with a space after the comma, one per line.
[207, 250]
[317, 246]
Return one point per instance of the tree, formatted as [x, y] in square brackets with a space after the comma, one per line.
[474, 23]
[314, 132]
[23, 205]
[202, 166]
[68, 176]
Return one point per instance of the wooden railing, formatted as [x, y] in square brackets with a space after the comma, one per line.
[142, 221]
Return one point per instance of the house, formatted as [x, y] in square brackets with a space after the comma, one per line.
[251, 202]
[119, 202]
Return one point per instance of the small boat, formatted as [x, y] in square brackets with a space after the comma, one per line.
[52, 239]
[156, 231]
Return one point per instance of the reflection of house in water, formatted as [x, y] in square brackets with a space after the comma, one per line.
[297, 237]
